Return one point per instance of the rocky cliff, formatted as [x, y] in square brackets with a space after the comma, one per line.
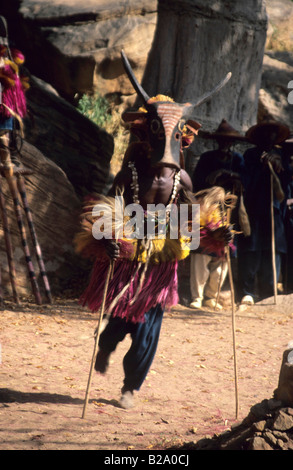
[76, 46]
[73, 48]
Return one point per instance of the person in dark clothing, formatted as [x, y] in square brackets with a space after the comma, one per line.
[225, 168]
[220, 167]
[255, 251]
[287, 265]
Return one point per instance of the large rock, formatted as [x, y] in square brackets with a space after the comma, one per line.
[55, 208]
[68, 138]
[278, 63]
[273, 95]
[76, 46]
[280, 13]
[196, 44]
[284, 392]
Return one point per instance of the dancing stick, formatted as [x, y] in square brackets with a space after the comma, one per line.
[233, 320]
[97, 336]
[219, 285]
[8, 244]
[233, 330]
[22, 192]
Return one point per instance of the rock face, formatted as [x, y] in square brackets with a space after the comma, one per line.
[196, 44]
[76, 46]
[284, 392]
[278, 63]
[273, 95]
[55, 208]
[72, 141]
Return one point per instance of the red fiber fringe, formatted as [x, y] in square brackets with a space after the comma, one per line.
[159, 286]
[209, 245]
[14, 98]
[13, 94]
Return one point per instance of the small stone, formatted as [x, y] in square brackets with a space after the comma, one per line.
[283, 421]
[274, 404]
[281, 435]
[280, 443]
[259, 425]
[289, 411]
[270, 438]
[260, 411]
[290, 445]
[258, 443]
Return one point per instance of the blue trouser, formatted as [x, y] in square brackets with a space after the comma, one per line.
[6, 124]
[258, 265]
[145, 338]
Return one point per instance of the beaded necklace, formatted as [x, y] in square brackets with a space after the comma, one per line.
[135, 188]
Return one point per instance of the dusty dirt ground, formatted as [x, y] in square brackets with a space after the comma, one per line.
[189, 392]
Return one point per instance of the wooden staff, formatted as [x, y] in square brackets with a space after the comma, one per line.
[22, 192]
[273, 238]
[275, 187]
[97, 337]
[8, 245]
[1, 290]
[10, 177]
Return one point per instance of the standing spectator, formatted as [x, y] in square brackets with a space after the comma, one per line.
[287, 268]
[255, 251]
[225, 168]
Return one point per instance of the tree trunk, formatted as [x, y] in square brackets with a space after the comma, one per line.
[196, 43]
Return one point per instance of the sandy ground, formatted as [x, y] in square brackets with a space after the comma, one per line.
[189, 392]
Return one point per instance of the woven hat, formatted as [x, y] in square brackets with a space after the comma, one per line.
[259, 133]
[224, 131]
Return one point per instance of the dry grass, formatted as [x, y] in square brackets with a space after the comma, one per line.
[116, 128]
[281, 39]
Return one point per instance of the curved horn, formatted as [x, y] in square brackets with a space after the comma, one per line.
[138, 88]
[215, 90]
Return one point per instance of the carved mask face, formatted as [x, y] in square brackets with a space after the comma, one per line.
[164, 123]
[166, 127]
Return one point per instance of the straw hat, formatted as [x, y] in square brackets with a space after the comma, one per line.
[268, 129]
[224, 131]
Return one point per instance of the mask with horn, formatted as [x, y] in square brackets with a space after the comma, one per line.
[165, 125]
